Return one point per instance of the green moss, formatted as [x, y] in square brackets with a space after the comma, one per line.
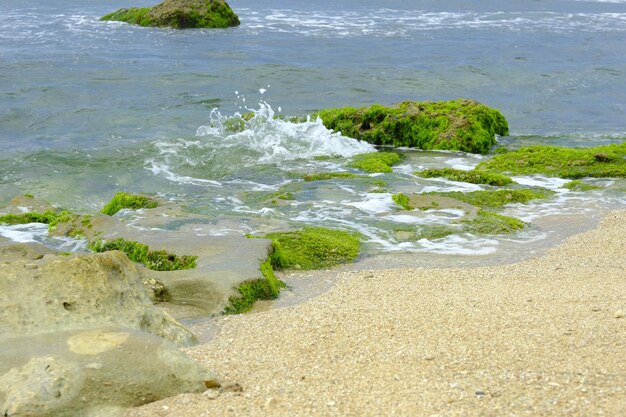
[259, 289]
[133, 15]
[463, 125]
[324, 176]
[578, 185]
[179, 14]
[599, 161]
[28, 195]
[313, 248]
[138, 252]
[375, 161]
[489, 223]
[402, 200]
[128, 201]
[47, 217]
[497, 198]
[473, 176]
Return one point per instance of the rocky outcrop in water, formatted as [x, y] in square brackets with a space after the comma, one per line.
[179, 14]
[81, 335]
[459, 125]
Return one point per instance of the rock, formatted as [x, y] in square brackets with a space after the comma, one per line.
[179, 14]
[80, 292]
[81, 337]
[460, 125]
[70, 373]
[11, 251]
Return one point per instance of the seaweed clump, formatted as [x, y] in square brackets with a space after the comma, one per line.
[375, 162]
[313, 248]
[266, 288]
[324, 176]
[473, 176]
[555, 161]
[179, 14]
[123, 200]
[461, 125]
[159, 260]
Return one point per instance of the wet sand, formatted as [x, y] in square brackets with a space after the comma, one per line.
[542, 337]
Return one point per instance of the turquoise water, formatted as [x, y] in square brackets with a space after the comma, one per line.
[90, 108]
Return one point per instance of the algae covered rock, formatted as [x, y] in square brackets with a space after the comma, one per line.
[460, 125]
[179, 14]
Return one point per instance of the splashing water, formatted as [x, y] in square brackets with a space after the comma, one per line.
[229, 144]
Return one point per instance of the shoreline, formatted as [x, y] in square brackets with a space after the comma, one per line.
[543, 336]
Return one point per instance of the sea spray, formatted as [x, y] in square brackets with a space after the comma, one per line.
[229, 144]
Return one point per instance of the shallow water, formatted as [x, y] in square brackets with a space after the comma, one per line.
[91, 108]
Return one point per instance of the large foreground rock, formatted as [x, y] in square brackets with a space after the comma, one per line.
[179, 14]
[459, 125]
[62, 293]
[80, 335]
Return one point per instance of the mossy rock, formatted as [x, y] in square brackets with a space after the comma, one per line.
[128, 201]
[313, 248]
[325, 176]
[578, 185]
[375, 162]
[497, 198]
[554, 161]
[460, 125]
[179, 14]
[266, 288]
[474, 176]
[159, 260]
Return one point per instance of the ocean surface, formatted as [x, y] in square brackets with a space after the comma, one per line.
[89, 108]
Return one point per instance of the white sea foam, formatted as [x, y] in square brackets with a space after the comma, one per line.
[229, 144]
[38, 233]
[387, 22]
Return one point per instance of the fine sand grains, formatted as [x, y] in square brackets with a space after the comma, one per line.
[544, 337]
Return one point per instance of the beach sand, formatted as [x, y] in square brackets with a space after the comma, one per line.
[543, 337]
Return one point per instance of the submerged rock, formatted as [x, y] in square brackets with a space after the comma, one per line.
[459, 125]
[179, 14]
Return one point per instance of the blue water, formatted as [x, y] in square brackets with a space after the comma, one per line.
[89, 108]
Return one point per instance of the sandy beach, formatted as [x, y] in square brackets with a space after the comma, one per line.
[543, 337]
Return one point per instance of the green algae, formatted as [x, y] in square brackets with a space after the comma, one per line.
[496, 198]
[599, 161]
[578, 185]
[46, 217]
[179, 14]
[324, 176]
[473, 176]
[123, 200]
[402, 200]
[253, 290]
[490, 223]
[134, 16]
[375, 162]
[138, 252]
[462, 125]
[313, 248]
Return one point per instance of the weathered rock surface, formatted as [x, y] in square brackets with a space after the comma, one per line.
[61, 293]
[97, 372]
[225, 260]
[179, 14]
[81, 337]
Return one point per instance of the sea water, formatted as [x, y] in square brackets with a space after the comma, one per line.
[89, 108]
